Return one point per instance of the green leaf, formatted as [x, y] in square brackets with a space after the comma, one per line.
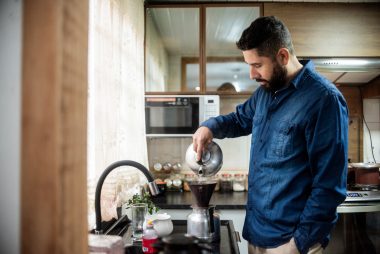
[144, 198]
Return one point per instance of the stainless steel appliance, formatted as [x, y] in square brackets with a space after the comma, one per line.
[363, 182]
[362, 195]
[178, 115]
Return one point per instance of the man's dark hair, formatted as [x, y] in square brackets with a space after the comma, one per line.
[267, 35]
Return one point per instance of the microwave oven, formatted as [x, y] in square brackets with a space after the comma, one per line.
[178, 115]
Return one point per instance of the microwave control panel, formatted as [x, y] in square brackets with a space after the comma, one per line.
[210, 107]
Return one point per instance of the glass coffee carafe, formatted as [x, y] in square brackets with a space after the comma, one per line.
[203, 222]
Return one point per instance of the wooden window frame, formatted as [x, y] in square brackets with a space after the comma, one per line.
[202, 45]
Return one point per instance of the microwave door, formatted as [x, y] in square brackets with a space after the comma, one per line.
[179, 117]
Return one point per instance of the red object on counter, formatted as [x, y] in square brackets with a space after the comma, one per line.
[149, 237]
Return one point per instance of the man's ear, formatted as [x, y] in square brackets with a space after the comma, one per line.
[283, 56]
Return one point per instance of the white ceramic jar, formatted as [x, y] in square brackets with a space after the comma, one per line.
[162, 223]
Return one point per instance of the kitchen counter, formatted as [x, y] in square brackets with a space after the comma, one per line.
[230, 206]
[352, 234]
[359, 207]
[227, 244]
[237, 200]
[183, 200]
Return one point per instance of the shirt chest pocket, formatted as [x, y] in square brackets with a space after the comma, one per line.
[282, 140]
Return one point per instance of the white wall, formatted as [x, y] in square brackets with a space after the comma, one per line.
[10, 115]
[371, 109]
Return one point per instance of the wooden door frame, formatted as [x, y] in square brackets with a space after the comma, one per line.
[54, 127]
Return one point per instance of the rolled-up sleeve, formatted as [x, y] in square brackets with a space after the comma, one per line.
[327, 141]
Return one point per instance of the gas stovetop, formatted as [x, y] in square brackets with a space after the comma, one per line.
[363, 193]
[354, 196]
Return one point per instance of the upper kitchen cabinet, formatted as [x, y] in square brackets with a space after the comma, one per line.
[331, 29]
[226, 71]
[192, 48]
[172, 36]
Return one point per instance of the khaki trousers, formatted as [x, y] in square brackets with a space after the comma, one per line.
[283, 249]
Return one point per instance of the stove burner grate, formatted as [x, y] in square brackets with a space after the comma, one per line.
[363, 187]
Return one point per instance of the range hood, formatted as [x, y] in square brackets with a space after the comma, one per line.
[350, 71]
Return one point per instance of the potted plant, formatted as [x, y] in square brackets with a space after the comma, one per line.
[144, 198]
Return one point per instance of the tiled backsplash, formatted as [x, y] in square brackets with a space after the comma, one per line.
[172, 150]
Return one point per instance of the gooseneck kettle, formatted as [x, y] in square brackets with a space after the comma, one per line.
[210, 163]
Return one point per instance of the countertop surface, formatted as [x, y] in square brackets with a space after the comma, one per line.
[237, 200]
[226, 245]
[183, 200]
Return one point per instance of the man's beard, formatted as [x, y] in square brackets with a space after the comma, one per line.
[278, 80]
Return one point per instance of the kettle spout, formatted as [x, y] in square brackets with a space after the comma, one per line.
[200, 171]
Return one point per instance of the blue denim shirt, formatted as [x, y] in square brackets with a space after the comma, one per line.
[298, 159]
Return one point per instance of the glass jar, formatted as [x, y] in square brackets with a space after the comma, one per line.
[169, 183]
[177, 181]
[239, 182]
[226, 183]
[157, 167]
[176, 167]
[188, 178]
[167, 168]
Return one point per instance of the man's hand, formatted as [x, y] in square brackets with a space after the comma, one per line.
[201, 138]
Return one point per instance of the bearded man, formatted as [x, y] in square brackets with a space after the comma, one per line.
[298, 158]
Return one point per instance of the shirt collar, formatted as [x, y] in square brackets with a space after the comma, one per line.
[298, 79]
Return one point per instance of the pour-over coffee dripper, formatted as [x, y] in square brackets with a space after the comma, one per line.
[202, 192]
[203, 222]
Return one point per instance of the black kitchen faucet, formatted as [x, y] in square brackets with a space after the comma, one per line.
[151, 183]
